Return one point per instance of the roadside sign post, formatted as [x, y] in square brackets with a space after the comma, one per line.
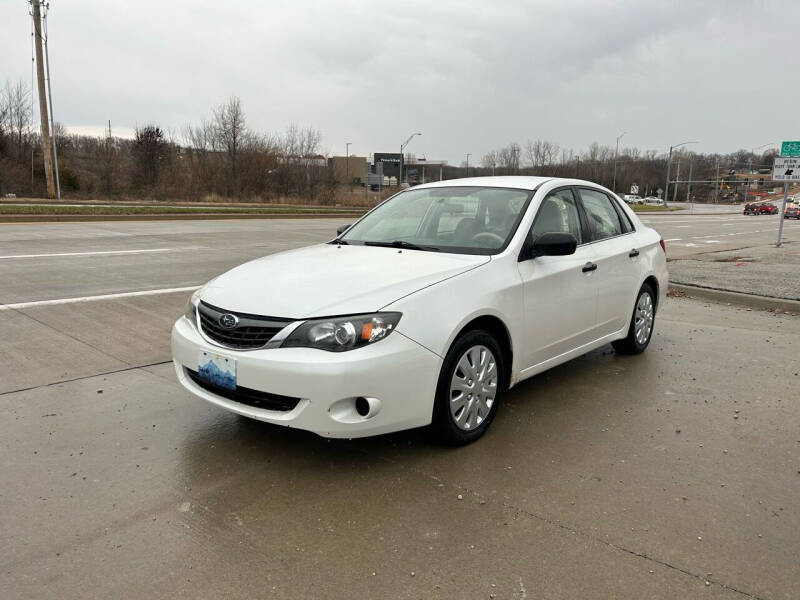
[785, 169]
[781, 213]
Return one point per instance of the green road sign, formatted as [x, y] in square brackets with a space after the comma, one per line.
[790, 149]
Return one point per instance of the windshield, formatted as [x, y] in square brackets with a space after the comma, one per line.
[463, 220]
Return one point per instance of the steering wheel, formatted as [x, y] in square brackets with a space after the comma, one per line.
[488, 236]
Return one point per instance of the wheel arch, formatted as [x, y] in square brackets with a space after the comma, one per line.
[497, 328]
[653, 282]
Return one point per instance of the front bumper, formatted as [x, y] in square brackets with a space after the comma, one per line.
[397, 372]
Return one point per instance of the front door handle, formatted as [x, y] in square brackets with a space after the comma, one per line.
[633, 253]
[589, 267]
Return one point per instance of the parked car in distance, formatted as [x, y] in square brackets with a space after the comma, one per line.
[652, 200]
[792, 212]
[427, 309]
[633, 199]
[767, 208]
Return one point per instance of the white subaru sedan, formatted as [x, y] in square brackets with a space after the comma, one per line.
[427, 309]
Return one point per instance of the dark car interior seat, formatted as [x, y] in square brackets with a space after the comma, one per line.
[465, 230]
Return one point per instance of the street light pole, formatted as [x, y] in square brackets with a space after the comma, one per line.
[468, 155]
[403, 147]
[669, 165]
[689, 182]
[616, 152]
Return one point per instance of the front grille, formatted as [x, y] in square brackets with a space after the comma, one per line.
[243, 395]
[252, 331]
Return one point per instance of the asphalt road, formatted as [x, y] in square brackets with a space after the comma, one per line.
[671, 474]
[687, 234]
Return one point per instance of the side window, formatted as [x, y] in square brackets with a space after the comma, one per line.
[603, 218]
[558, 214]
[627, 226]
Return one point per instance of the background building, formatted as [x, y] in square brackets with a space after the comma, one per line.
[348, 169]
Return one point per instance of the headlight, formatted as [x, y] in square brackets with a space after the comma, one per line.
[191, 308]
[343, 333]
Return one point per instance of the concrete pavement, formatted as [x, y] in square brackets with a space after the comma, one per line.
[671, 474]
[686, 234]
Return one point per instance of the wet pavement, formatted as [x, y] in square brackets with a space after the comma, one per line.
[671, 474]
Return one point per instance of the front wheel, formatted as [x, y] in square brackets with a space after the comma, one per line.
[471, 384]
[641, 326]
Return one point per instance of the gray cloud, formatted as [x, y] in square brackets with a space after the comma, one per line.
[470, 75]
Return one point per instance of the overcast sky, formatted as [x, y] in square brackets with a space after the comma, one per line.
[471, 75]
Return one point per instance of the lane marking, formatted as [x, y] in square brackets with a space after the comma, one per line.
[105, 252]
[674, 240]
[21, 305]
[713, 242]
[682, 226]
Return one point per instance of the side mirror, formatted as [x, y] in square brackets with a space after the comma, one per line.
[342, 228]
[551, 244]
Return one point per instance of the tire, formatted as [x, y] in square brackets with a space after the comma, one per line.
[644, 308]
[469, 420]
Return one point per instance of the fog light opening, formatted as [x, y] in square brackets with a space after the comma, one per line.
[362, 406]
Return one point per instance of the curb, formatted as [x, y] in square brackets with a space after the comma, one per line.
[170, 217]
[749, 300]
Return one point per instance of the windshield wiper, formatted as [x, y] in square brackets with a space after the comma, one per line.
[403, 244]
[339, 242]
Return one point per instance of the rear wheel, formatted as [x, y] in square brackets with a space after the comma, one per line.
[641, 325]
[471, 384]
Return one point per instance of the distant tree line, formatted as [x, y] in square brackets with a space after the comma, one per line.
[218, 157]
[221, 157]
[714, 174]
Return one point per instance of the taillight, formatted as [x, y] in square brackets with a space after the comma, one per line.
[663, 245]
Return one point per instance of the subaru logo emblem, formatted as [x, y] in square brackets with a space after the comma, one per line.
[228, 321]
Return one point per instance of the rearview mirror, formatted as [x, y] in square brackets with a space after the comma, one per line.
[553, 244]
[342, 228]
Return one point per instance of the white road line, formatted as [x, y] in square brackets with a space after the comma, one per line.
[713, 242]
[682, 226]
[106, 252]
[21, 305]
[674, 240]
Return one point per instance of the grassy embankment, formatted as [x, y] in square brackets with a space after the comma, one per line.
[168, 210]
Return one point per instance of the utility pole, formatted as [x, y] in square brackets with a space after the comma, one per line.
[716, 185]
[468, 155]
[50, 101]
[677, 179]
[43, 117]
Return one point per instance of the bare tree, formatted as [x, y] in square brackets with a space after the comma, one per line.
[231, 131]
[509, 158]
[489, 160]
[4, 122]
[17, 101]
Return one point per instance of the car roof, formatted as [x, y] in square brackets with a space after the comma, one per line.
[507, 181]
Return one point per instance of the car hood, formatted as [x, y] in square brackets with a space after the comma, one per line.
[327, 280]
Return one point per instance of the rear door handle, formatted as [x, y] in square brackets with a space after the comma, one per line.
[588, 267]
[633, 253]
